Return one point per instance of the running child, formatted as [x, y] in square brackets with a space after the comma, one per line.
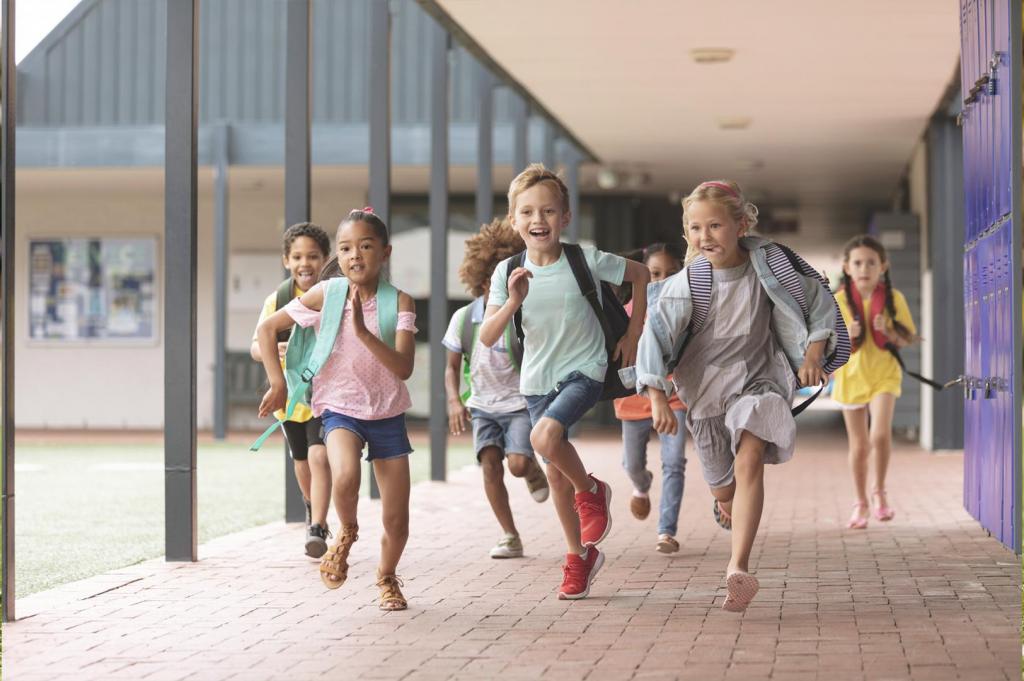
[741, 319]
[501, 422]
[663, 261]
[306, 248]
[879, 321]
[359, 393]
[564, 356]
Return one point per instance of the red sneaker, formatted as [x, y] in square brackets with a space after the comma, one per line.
[592, 508]
[577, 574]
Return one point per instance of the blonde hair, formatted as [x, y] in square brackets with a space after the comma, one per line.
[484, 250]
[725, 193]
[534, 174]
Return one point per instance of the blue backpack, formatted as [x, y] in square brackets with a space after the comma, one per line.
[308, 351]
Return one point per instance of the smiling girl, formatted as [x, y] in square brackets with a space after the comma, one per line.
[740, 363]
[359, 394]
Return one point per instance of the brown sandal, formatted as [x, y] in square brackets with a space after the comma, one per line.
[391, 597]
[334, 565]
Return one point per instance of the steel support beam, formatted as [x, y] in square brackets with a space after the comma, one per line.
[485, 146]
[297, 172]
[8, 79]
[520, 134]
[572, 181]
[438, 305]
[180, 516]
[220, 269]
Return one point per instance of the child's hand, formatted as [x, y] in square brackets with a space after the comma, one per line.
[811, 372]
[878, 323]
[662, 418]
[274, 399]
[626, 349]
[458, 417]
[853, 329]
[519, 285]
[357, 314]
[282, 348]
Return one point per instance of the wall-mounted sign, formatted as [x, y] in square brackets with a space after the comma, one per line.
[92, 289]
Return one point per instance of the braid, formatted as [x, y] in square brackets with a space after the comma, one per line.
[848, 287]
[890, 307]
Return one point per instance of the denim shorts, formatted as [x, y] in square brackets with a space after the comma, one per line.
[510, 432]
[384, 438]
[568, 402]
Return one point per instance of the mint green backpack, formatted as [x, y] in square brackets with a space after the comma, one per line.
[308, 351]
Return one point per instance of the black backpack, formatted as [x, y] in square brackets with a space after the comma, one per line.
[610, 313]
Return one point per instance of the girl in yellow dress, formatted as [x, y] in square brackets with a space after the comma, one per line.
[867, 386]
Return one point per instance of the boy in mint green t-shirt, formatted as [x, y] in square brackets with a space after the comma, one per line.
[564, 357]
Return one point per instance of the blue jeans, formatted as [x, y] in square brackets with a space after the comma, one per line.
[635, 435]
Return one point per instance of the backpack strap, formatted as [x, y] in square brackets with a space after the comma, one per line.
[468, 329]
[284, 295]
[387, 312]
[585, 281]
[514, 347]
[698, 275]
[515, 261]
[302, 363]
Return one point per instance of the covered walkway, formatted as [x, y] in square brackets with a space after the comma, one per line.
[928, 596]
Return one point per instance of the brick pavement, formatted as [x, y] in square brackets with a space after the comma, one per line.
[928, 596]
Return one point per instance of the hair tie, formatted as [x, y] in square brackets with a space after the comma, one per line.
[721, 185]
[368, 209]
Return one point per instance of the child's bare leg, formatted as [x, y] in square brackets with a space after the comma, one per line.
[748, 501]
[857, 433]
[343, 451]
[302, 474]
[519, 464]
[566, 476]
[393, 479]
[563, 495]
[494, 487]
[320, 484]
[881, 407]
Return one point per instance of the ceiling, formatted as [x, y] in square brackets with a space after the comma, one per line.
[837, 93]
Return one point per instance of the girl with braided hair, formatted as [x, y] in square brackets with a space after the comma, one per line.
[879, 323]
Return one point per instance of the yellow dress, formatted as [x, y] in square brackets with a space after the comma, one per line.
[871, 370]
[302, 413]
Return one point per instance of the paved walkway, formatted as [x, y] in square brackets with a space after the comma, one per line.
[928, 596]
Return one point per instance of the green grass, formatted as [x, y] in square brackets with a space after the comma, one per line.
[88, 509]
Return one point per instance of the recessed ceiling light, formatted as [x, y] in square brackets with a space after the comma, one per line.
[750, 164]
[712, 55]
[734, 122]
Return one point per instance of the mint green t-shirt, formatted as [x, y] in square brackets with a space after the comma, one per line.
[561, 331]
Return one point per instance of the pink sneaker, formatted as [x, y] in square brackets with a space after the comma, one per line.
[882, 510]
[595, 518]
[859, 518]
[578, 574]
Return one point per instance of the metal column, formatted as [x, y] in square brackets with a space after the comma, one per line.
[485, 147]
[297, 162]
[180, 517]
[8, 79]
[572, 181]
[520, 141]
[220, 273]
[380, 127]
[438, 305]
[549, 145]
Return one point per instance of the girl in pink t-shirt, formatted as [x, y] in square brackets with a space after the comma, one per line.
[359, 395]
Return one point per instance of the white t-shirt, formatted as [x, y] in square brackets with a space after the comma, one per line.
[493, 378]
[562, 333]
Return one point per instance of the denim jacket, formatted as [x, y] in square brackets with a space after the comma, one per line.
[670, 309]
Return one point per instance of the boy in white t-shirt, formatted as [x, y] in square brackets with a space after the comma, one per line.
[501, 422]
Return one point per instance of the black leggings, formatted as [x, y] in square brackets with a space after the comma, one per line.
[302, 436]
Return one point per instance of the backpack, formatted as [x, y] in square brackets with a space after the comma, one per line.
[308, 351]
[606, 306]
[469, 332]
[285, 293]
[786, 266]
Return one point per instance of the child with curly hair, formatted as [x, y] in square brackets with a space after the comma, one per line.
[492, 401]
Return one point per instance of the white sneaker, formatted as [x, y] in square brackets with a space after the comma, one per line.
[509, 546]
[537, 483]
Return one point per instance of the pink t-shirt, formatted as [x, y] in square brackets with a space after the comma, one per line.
[353, 382]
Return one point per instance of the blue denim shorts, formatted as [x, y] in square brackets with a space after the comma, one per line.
[384, 438]
[568, 402]
[508, 432]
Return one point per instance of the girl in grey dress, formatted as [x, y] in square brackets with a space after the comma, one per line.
[749, 345]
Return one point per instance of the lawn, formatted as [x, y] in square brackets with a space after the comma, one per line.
[86, 509]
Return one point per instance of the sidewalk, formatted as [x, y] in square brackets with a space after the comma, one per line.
[927, 596]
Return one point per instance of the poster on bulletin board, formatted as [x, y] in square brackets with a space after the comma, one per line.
[83, 289]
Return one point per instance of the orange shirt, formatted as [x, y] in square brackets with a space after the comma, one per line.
[638, 407]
